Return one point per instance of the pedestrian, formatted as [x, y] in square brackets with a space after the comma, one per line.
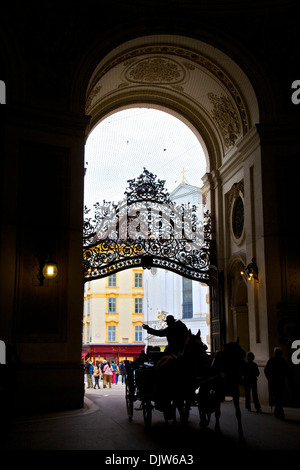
[277, 371]
[251, 374]
[114, 368]
[102, 365]
[122, 370]
[89, 373]
[97, 374]
[117, 374]
[108, 372]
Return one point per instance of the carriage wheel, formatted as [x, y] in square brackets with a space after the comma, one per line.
[204, 419]
[129, 402]
[147, 413]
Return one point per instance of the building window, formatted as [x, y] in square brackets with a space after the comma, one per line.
[112, 280]
[138, 333]
[112, 333]
[187, 298]
[112, 305]
[88, 333]
[138, 305]
[138, 279]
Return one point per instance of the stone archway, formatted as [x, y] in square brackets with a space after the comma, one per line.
[53, 71]
[191, 80]
[202, 87]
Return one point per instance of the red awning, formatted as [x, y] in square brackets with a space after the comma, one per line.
[116, 348]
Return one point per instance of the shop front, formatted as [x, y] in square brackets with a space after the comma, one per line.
[112, 352]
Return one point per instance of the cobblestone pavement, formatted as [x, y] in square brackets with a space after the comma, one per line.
[103, 424]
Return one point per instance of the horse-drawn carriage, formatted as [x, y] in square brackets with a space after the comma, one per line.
[193, 378]
[143, 386]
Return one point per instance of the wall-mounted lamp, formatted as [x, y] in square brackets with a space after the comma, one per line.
[250, 271]
[50, 270]
[47, 270]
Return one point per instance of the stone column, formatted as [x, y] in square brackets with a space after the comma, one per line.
[42, 218]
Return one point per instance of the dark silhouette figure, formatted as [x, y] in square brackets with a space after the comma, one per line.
[277, 371]
[250, 382]
[176, 333]
[230, 364]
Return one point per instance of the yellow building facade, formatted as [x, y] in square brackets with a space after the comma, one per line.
[113, 315]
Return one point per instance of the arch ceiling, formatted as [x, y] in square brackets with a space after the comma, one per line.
[192, 80]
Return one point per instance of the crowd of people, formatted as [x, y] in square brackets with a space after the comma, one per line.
[106, 371]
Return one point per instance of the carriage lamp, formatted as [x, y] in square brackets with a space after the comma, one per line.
[250, 271]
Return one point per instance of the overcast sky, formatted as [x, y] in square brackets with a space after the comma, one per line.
[123, 144]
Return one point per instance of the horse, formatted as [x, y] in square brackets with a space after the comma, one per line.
[218, 378]
[176, 377]
[229, 364]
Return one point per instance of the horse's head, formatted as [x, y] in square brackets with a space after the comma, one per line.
[233, 354]
[194, 349]
[234, 349]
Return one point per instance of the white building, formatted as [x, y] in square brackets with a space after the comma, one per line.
[169, 293]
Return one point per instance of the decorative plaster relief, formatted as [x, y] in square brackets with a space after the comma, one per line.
[161, 67]
[91, 97]
[226, 118]
[155, 70]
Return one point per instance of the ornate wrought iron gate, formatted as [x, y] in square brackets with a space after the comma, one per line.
[147, 229]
